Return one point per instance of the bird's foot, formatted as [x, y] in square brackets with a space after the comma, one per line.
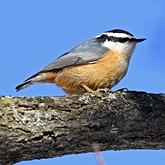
[99, 90]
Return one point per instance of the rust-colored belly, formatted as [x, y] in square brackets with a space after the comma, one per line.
[105, 72]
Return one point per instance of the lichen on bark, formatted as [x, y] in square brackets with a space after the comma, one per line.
[44, 127]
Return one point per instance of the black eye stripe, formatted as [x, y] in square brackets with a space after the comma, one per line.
[105, 37]
[102, 38]
[118, 39]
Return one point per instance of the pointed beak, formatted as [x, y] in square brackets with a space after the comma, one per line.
[139, 40]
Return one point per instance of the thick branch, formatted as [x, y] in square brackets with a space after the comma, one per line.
[44, 127]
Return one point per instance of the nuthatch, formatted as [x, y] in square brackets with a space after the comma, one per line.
[100, 62]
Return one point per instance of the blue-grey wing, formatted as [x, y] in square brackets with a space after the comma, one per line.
[84, 53]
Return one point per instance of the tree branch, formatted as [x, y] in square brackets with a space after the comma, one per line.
[44, 127]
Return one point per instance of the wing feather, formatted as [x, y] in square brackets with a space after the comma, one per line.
[84, 53]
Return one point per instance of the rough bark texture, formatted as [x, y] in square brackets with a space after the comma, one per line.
[44, 127]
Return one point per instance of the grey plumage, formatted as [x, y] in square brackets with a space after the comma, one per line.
[86, 52]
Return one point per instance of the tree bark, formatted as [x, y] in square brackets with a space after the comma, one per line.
[45, 127]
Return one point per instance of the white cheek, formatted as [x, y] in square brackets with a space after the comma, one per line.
[109, 44]
[121, 47]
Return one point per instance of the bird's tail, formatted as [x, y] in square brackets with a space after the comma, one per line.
[23, 85]
[36, 78]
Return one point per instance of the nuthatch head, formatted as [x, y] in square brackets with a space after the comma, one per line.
[119, 40]
[100, 62]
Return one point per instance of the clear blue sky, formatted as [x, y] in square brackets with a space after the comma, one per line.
[34, 32]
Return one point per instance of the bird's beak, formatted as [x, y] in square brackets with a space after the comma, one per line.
[140, 40]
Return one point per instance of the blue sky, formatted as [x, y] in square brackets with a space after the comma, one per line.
[34, 32]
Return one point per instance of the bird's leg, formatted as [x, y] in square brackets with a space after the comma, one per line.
[87, 88]
[105, 90]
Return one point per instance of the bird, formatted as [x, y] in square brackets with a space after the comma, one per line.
[98, 63]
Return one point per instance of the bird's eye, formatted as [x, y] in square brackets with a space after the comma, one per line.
[114, 39]
[118, 39]
[122, 40]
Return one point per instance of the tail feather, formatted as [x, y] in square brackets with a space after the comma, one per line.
[23, 85]
[31, 80]
[33, 76]
[27, 82]
[37, 78]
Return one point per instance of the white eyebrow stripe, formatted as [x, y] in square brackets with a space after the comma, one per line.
[122, 35]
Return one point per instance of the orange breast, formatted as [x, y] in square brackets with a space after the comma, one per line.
[106, 72]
